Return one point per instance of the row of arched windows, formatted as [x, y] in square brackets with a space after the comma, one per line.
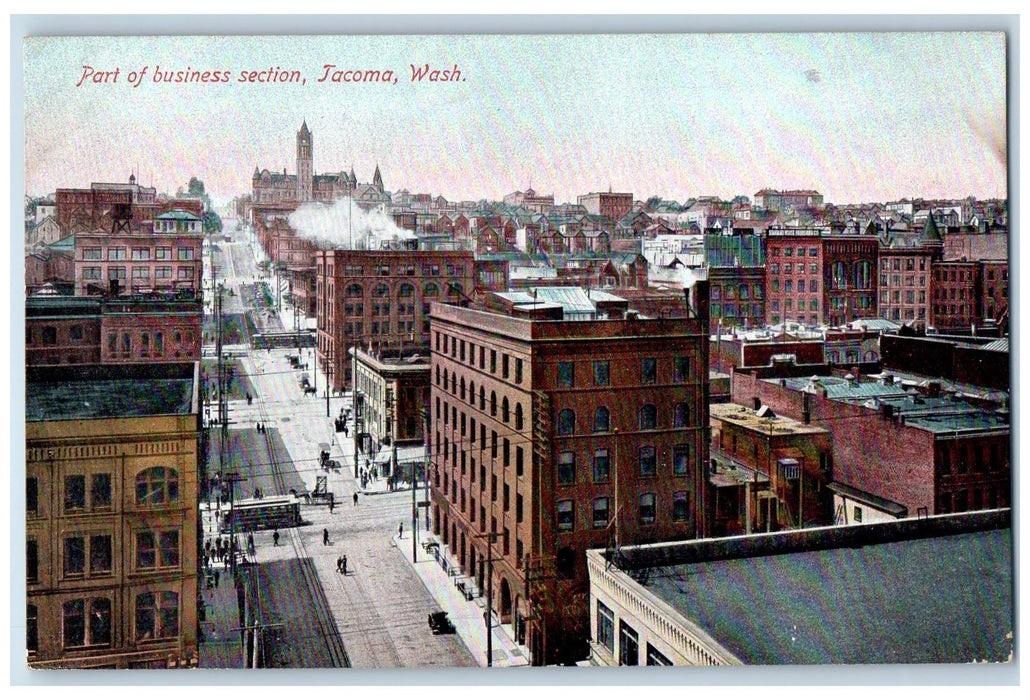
[456, 386]
[431, 290]
[647, 419]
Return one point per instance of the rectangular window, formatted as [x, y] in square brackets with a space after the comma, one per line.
[31, 561]
[566, 468]
[629, 652]
[600, 512]
[185, 253]
[141, 253]
[74, 556]
[601, 373]
[518, 370]
[602, 467]
[648, 464]
[91, 273]
[681, 506]
[649, 370]
[100, 491]
[75, 492]
[163, 254]
[647, 508]
[141, 273]
[518, 461]
[565, 515]
[518, 508]
[681, 460]
[92, 254]
[605, 627]
[116, 253]
[566, 376]
[680, 368]
[100, 556]
[146, 551]
[31, 495]
[505, 364]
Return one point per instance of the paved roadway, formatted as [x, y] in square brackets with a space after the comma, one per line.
[380, 607]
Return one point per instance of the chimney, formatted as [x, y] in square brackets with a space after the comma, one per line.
[697, 299]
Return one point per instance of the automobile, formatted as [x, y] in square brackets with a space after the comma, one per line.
[440, 624]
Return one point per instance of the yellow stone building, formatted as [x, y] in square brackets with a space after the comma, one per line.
[112, 522]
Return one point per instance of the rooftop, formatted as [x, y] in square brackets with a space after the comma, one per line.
[124, 391]
[749, 419]
[911, 591]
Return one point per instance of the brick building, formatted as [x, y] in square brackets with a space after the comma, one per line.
[106, 206]
[557, 427]
[613, 205]
[794, 276]
[956, 296]
[380, 299]
[737, 280]
[905, 272]
[768, 472]
[82, 331]
[123, 263]
[111, 516]
[776, 200]
[894, 449]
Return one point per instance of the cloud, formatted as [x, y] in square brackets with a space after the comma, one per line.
[346, 225]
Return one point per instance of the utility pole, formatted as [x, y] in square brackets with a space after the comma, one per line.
[489, 615]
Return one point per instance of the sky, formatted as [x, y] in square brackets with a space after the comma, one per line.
[860, 117]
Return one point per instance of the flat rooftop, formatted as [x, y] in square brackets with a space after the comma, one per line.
[747, 418]
[127, 391]
[923, 598]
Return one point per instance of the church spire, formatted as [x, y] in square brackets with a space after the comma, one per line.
[377, 179]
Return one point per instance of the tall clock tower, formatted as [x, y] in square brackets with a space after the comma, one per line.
[305, 177]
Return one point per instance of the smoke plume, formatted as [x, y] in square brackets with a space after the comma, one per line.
[346, 225]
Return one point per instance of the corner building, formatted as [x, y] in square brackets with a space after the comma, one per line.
[557, 428]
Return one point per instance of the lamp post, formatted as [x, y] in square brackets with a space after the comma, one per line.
[490, 537]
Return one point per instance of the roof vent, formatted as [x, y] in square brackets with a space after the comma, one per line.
[765, 412]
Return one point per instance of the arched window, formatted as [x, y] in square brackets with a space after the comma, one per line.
[518, 416]
[493, 403]
[472, 393]
[432, 290]
[505, 416]
[680, 415]
[381, 290]
[602, 420]
[157, 486]
[461, 386]
[648, 417]
[354, 290]
[407, 290]
[438, 375]
[742, 293]
[455, 289]
[566, 422]
[482, 399]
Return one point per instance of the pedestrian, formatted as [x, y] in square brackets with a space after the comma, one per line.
[325, 536]
[339, 564]
[400, 530]
[344, 564]
[207, 559]
[275, 538]
[216, 578]
[332, 502]
[250, 542]
[355, 498]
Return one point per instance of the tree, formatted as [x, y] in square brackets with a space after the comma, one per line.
[212, 222]
[196, 188]
[653, 202]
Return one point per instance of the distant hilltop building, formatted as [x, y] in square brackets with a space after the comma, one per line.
[305, 186]
[775, 200]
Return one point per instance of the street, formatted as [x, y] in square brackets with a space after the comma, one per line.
[379, 609]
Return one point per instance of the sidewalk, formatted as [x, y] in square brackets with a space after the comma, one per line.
[466, 615]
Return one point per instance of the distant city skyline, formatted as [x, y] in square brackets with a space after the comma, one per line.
[859, 117]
